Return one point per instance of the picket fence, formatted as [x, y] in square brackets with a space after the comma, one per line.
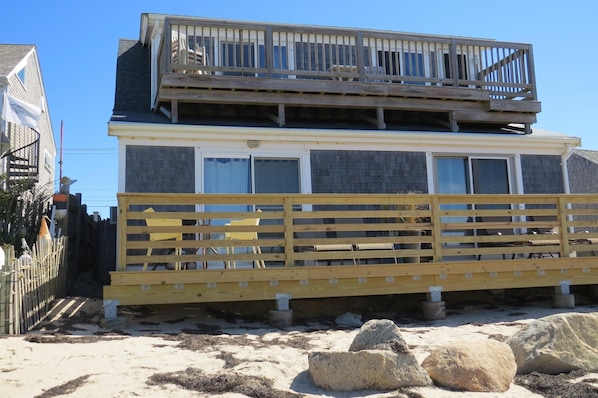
[29, 284]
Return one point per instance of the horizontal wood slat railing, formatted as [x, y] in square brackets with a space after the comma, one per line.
[339, 245]
[329, 229]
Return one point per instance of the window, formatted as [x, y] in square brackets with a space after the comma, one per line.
[248, 174]
[321, 56]
[465, 175]
[414, 66]
[461, 67]
[48, 161]
[390, 61]
[279, 59]
[21, 75]
[237, 56]
[235, 175]
[472, 175]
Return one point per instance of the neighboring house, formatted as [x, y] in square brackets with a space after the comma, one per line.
[211, 106]
[29, 150]
[583, 171]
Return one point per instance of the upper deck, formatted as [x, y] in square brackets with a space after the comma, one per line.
[294, 74]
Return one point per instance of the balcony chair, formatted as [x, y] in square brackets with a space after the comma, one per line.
[308, 232]
[359, 239]
[545, 243]
[245, 236]
[160, 236]
[182, 55]
[497, 232]
[375, 74]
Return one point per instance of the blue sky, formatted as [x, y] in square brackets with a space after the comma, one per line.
[77, 43]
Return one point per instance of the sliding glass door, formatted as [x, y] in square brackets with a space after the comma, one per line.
[471, 175]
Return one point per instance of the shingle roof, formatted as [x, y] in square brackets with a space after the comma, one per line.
[11, 55]
[132, 78]
[592, 156]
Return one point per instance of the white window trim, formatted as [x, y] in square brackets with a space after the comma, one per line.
[302, 156]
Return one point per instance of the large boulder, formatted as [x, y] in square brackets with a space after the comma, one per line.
[480, 366]
[365, 370]
[378, 359]
[379, 334]
[557, 344]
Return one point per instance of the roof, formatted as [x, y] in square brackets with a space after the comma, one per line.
[132, 92]
[11, 55]
[592, 156]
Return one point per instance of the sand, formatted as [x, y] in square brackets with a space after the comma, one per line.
[184, 350]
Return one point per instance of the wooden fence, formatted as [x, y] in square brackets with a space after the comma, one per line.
[30, 283]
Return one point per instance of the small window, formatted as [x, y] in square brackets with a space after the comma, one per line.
[48, 161]
[21, 75]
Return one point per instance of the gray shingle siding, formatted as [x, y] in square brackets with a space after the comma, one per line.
[368, 171]
[583, 174]
[542, 174]
[160, 169]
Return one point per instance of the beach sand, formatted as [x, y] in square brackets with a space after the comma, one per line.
[207, 351]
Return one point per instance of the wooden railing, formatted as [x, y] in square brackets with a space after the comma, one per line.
[200, 46]
[350, 229]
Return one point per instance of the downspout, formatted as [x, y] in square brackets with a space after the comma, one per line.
[564, 158]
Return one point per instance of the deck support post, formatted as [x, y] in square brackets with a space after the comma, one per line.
[562, 297]
[282, 316]
[434, 308]
[111, 319]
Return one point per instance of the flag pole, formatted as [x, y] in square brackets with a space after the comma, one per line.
[60, 161]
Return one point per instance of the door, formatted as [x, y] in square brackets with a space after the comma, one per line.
[475, 175]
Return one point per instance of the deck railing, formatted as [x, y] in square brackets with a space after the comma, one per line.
[201, 46]
[195, 231]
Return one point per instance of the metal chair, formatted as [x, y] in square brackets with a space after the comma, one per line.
[160, 236]
[244, 236]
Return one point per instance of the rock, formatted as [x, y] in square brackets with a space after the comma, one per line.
[379, 334]
[557, 344]
[349, 320]
[481, 366]
[378, 359]
[365, 370]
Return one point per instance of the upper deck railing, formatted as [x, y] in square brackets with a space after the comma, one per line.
[198, 46]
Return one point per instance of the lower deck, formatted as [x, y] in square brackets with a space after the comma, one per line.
[196, 248]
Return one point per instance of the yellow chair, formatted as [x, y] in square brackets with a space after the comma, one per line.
[244, 235]
[157, 236]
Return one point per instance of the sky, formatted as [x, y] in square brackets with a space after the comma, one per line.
[77, 43]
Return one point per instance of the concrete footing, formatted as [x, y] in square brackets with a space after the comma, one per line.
[562, 297]
[434, 310]
[563, 301]
[118, 323]
[281, 318]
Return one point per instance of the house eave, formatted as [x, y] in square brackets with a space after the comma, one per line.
[311, 137]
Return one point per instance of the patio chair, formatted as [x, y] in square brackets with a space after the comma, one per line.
[375, 246]
[321, 235]
[496, 232]
[160, 236]
[183, 55]
[244, 236]
[544, 245]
